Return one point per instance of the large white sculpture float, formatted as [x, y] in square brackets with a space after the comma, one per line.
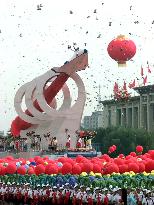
[41, 115]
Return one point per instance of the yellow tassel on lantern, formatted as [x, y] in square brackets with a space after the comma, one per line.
[122, 64]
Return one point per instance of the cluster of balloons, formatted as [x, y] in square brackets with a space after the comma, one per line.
[104, 164]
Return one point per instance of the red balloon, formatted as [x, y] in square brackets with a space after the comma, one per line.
[40, 161]
[123, 168]
[111, 149]
[87, 167]
[2, 170]
[36, 158]
[66, 168]
[21, 170]
[133, 154]
[118, 161]
[96, 168]
[121, 156]
[11, 169]
[111, 168]
[79, 158]
[151, 153]
[133, 167]
[62, 159]
[141, 167]
[11, 158]
[76, 169]
[39, 169]
[105, 157]
[139, 148]
[149, 166]
[60, 170]
[51, 169]
[71, 161]
[114, 147]
[31, 171]
[121, 49]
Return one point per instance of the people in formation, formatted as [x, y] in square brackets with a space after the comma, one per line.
[43, 194]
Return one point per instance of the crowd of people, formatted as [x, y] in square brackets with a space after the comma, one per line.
[43, 194]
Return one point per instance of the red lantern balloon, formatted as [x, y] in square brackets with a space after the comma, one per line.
[21, 170]
[139, 149]
[76, 169]
[39, 169]
[11, 169]
[66, 168]
[121, 49]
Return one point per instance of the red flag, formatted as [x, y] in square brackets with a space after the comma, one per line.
[131, 85]
[149, 70]
[124, 86]
[142, 71]
[145, 80]
[116, 88]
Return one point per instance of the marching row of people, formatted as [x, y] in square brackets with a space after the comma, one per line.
[76, 195]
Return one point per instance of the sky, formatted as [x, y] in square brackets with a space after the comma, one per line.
[32, 41]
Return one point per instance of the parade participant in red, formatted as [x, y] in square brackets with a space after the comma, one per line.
[54, 195]
[60, 196]
[68, 143]
[26, 195]
[79, 143]
[99, 200]
[106, 200]
[18, 194]
[67, 197]
[47, 192]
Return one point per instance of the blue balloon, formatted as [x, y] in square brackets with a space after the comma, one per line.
[33, 163]
[26, 166]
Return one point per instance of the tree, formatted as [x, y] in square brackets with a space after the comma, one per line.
[126, 139]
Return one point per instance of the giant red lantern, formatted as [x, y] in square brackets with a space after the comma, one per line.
[121, 49]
